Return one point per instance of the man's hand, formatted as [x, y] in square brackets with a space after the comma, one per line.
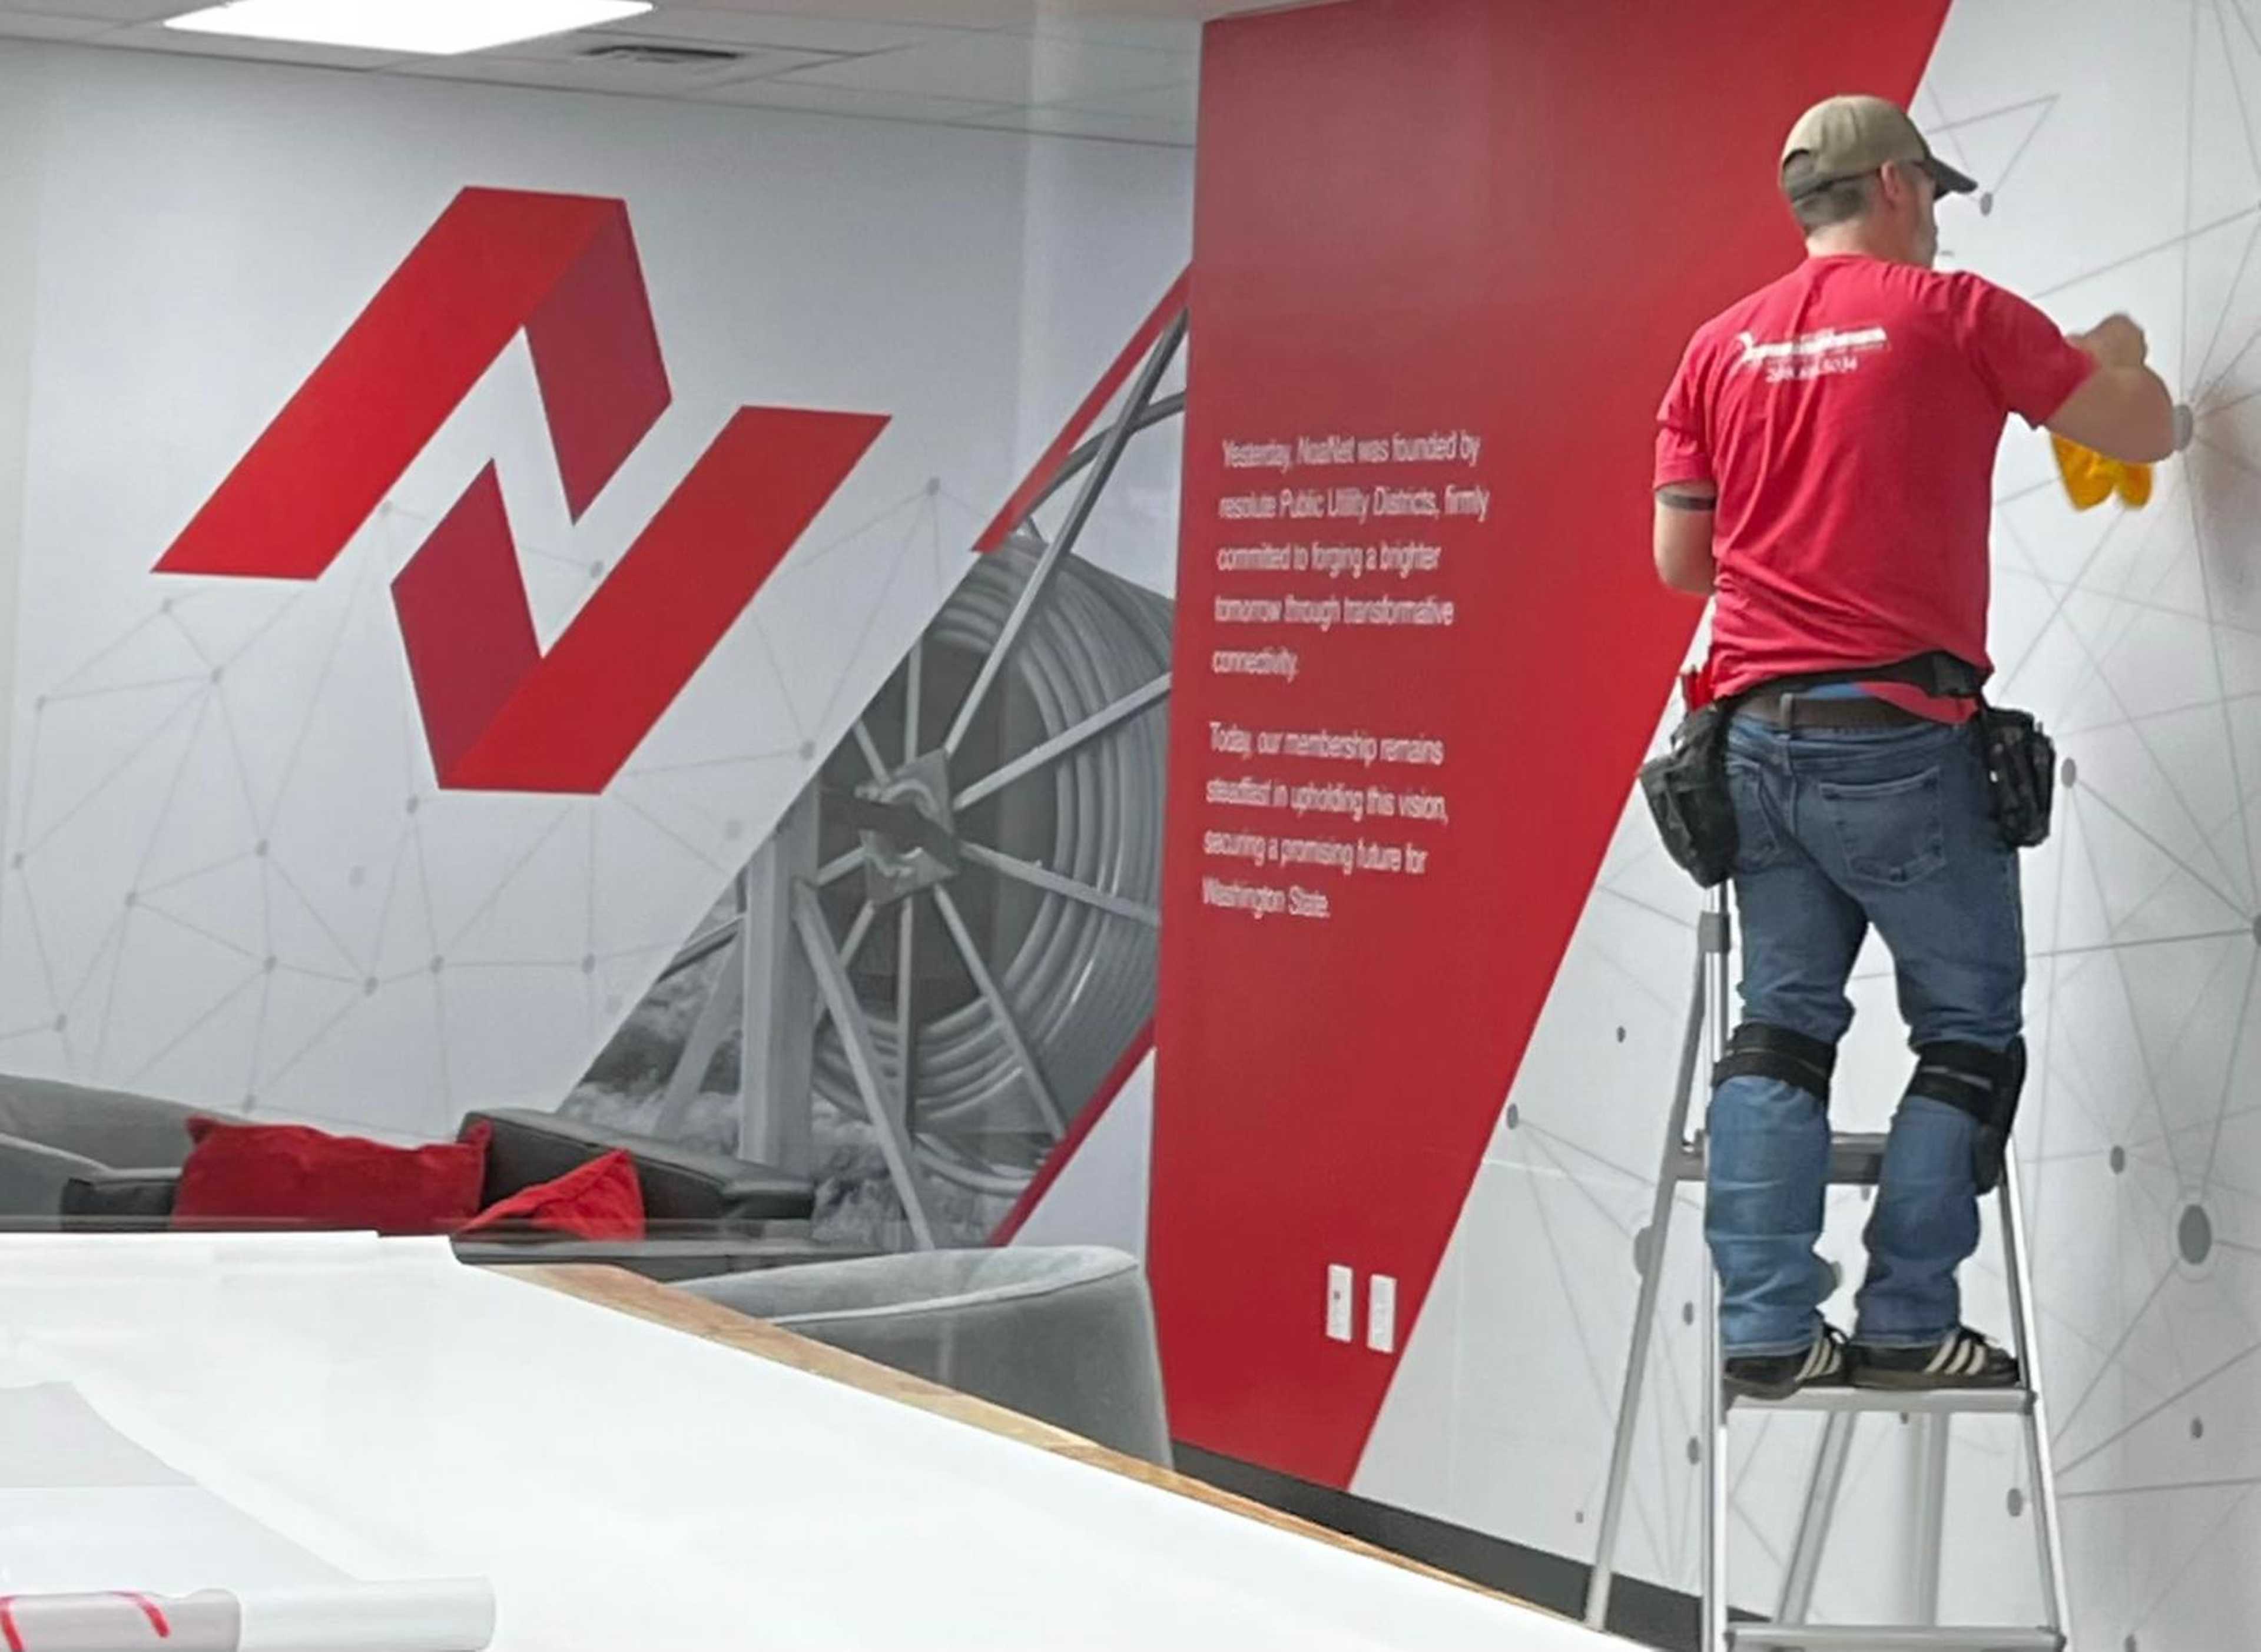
[2115, 341]
[2124, 412]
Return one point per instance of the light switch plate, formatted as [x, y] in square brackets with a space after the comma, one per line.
[1382, 1314]
[1342, 1287]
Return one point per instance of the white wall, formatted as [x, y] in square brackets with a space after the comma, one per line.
[22, 98]
[2123, 158]
[201, 232]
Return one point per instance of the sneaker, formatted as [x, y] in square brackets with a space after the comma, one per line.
[1961, 1359]
[1779, 1376]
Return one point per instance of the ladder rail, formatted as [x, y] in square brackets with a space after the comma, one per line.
[1603, 1576]
[1719, 935]
[2040, 1457]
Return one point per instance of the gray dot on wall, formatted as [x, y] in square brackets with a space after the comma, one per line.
[1986, 203]
[2194, 1234]
[438, 964]
[357, 877]
[596, 570]
[2119, 1161]
[219, 672]
[2069, 772]
[1621, 1035]
[1695, 1450]
[1640, 1243]
[1687, 1313]
[807, 749]
[259, 849]
[2015, 1502]
[269, 966]
[414, 804]
[2128, 1645]
[933, 485]
[62, 1023]
[588, 963]
[1514, 1115]
[2198, 1428]
[1580, 1516]
[369, 988]
[131, 898]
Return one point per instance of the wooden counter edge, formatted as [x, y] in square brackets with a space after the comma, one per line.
[632, 1293]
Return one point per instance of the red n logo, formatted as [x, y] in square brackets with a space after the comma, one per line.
[500, 715]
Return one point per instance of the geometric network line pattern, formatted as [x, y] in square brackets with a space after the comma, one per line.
[231, 880]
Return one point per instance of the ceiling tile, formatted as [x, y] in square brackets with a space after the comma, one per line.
[1079, 123]
[1008, 69]
[567, 69]
[114, 11]
[847, 100]
[153, 38]
[792, 31]
[42, 25]
[1162, 35]
[1176, 104]
[964, 14]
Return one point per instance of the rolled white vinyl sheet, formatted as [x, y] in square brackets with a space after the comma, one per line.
[452, 1614]
[447, 1615]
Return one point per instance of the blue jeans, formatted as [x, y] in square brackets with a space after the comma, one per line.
[1840, 829]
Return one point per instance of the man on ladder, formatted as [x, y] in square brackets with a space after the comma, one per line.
[1824, 469]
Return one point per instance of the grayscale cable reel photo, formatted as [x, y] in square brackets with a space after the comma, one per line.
[949, 942]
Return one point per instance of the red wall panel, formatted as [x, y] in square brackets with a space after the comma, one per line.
[1497, 215]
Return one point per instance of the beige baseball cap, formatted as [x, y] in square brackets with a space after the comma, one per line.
[1842, 138]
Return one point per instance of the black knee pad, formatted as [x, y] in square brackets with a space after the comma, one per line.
[1759, 1050]
[1984, 1083]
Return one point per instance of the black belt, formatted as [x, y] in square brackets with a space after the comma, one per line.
[1789, 708]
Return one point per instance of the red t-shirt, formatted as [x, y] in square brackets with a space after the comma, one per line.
[1848, 413]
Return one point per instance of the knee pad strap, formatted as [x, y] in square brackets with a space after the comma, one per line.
[1759, 1050]
[1984, 1083]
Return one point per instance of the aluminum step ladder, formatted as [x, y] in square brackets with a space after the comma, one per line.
[1855, 1160]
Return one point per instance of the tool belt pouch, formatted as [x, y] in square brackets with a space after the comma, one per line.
[1687, 794]
[2020, 773]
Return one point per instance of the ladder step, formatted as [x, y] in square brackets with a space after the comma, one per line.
[1855, 1158]
[1813, 1637]
[1960, 1401]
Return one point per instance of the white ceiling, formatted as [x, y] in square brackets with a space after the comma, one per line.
[1118, 69]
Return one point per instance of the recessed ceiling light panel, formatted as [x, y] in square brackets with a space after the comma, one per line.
[442, 28]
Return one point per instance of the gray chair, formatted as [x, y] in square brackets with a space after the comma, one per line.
[51, 1133]
[1065, 1334]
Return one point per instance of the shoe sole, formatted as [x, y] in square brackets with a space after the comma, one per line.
[1923, 1381]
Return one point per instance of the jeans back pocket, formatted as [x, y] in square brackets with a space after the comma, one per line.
[1755, 845]
[1891, 831]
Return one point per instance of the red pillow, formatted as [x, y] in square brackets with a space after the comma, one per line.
[292, 1175]
[599, 1200]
